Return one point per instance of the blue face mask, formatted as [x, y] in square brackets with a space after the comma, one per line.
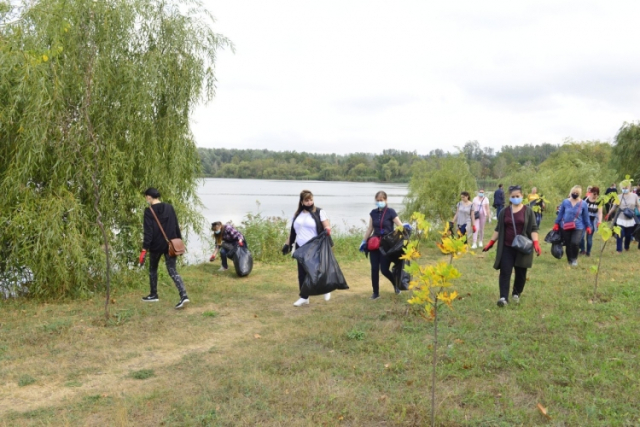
[381, 204]
[625, 190]
[216, 232]
[480, 194]
[516, 200]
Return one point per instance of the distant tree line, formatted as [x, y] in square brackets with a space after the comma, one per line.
[392, 165]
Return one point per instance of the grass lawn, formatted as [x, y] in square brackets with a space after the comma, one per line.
[242, 355]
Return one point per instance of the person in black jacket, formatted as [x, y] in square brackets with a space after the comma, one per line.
[156, 245]
[382, 220]
[498, 200]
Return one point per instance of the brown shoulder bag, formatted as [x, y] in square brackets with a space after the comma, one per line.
[176, 246]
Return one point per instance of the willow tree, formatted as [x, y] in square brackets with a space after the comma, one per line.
[95, 99]
[626, 151]
[436, 184]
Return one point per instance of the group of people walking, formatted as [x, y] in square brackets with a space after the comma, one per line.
[515, 236]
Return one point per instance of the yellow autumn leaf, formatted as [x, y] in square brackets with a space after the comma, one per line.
[45, 58]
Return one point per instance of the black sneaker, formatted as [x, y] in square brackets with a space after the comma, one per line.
[397, 291]
[183, 301]
[150, 298]
[375, 296]
[502, 302]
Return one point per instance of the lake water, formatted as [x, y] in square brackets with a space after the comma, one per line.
[346, 203]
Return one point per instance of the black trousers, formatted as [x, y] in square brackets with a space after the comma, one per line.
[507, 266]
[379, 264]
[572, 240]
[154, 261]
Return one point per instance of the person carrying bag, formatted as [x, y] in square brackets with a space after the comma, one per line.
[162, 237]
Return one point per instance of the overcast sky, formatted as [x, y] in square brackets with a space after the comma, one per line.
[346, 76]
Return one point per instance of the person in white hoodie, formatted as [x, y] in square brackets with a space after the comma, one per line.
[480, 213]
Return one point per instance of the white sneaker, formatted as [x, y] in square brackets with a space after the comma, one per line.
[223, 269]
[502, 302]
[515, 298]
[474, 246]
[327, 297]
[301, 301]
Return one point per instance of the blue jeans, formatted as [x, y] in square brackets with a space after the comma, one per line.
[625, 234]
[538, 218]
[498, 209]
[589, 237]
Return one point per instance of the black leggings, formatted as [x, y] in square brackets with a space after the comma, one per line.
[154, 261]
[572, 240]
[507, 265]
[379, 264]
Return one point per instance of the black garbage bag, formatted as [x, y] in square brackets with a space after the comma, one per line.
[553, 237]
[242, 261]
[230, 248]
[392, 244]
[323, 274]
[401, 278]
[557, 251]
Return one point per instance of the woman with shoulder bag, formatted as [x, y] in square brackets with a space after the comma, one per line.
[623, 213]
[160, 227]
[381, 221]
[462, 218]
[308, 222]
[481, 212]
[517, 237]
[574, 217]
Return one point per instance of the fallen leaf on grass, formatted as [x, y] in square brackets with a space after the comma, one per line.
[409, 382]
[340, 418]
[286, 392]
[255, 315]
[256, 336]
[543, 411]
[383, 397]
[387, 365]
[113, 300]
[458, 341]
[467, 366]
[590, 301]
[499, 395]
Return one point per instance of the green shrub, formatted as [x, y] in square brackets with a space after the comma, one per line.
[25, 380]
[142, 374]
[265, 236]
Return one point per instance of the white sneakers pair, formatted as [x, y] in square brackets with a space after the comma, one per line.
[305, 301]
[475, 246]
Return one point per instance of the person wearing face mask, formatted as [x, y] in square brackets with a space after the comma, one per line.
[594, 205]
[382, 220]
[155, 243]
[225, 237]
[517, 219]
[623, 214]
[573, 216]
[308, 222]
[462, 218]
[481, 212]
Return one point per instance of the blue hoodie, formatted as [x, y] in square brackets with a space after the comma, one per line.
[568, 213]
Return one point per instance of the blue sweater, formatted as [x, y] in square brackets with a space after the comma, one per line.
[567, 213]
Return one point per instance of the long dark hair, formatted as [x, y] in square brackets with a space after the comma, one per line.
[217, 237]
[304, 195]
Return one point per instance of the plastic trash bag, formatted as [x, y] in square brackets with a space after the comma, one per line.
[323, 274]
[553, 237]
[242, 261]
[392, 244]
[401, 278]
[557, 251]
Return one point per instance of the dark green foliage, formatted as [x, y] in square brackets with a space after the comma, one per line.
[95, 104]
[626, 151]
